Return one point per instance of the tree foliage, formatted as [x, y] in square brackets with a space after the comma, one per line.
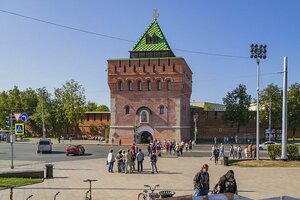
[237, 104]
[294, 107]
[271, 97]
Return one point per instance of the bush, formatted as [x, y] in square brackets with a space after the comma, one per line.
[274, 151]
[292, 152]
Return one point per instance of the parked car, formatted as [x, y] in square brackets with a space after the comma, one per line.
[44, 145]
[75, 150]
[264, 145]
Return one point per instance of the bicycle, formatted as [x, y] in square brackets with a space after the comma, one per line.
[89, 192]
[151, 196]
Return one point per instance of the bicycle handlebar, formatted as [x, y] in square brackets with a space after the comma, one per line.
[89, 180]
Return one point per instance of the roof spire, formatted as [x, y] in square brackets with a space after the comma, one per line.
[155, 14]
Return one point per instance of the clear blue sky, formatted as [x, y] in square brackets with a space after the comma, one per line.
[33, 54]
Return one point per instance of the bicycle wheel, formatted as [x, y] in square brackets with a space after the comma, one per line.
[142, 196]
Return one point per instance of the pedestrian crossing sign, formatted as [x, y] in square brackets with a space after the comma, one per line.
[19, 128]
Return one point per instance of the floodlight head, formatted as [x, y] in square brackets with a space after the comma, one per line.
[264, 57]
[255, 56]
[265, 46]
[252, 45]
[251, 56]
[255, 45]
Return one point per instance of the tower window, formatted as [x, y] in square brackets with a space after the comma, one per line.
[148, 39]
[120, 85]
[168, 84]
[164, 67]
[149, 86]
[139, 85]
[158, 85]
[126, 110]
[161, 109]
[144, 116]
[155, 39]
[174, 69]
[130, 86]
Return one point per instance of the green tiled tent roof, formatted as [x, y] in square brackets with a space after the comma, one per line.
[162, 44]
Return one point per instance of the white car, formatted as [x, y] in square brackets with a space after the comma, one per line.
[44, 145]
[264, 145]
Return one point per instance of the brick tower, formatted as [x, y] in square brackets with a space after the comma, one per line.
[150, 92]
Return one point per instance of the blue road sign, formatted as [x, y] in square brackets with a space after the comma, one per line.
[24, 117]
[19, 128]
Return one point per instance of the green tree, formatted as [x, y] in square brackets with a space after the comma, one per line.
[102, 108]
[271, 96]
[237, 104]
[294, 107]
[90, 106]
[71, 100]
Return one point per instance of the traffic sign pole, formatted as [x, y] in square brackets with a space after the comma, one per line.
[11, 142]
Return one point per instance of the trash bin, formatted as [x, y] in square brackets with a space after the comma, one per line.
[225, 161]
[49, 171]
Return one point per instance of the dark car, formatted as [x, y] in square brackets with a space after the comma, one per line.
[75, 150]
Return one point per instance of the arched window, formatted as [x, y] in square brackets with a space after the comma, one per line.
[149, 86]
[144, 116]
[158, 85]
[126, 110]
[161, 109]
[168, 84]
[120, 85]
[130, 86]
[139, 85]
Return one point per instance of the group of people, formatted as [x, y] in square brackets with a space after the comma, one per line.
[226, 183]
[126, 160]
[235, 152]
[171, 147]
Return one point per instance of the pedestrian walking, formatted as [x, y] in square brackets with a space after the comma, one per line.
[240, 152]
[149, 149]
[140, 158]
[58, 139]
[153, 160]
[235, 151]
[110, 161]
[231, 151]
[216, 154]
[201, 182]
[212, 152]
[222, 150]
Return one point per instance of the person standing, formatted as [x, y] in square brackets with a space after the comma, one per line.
[119, 159]
[235, 151]
[132, 162]
[153, 160]
[127, 161]
[216, 154]
[110, 161]
[149, 149]
[201, 182]
[140, 158]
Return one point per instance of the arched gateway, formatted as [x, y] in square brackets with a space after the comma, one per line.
[145, 134]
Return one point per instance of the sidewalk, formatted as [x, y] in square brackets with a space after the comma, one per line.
[174, 174]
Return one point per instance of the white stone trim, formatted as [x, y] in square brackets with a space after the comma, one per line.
[173, 127]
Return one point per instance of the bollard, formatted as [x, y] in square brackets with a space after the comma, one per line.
[49, 171]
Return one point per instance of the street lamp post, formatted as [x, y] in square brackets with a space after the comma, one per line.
[270, 119]
[195, 129]
[258, 52]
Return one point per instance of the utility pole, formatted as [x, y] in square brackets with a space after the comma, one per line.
[270, 119]
[43, 120]
[284, 112]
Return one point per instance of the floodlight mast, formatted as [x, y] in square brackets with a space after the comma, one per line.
[258, 52]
